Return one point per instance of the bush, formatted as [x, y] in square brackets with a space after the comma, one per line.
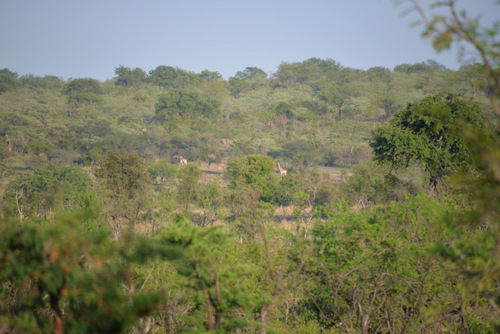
[80, 86]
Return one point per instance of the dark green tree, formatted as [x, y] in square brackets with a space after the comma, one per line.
[4, 156]
[429, 132]
[283, 108]
[312, 71]
[84, 85]
[251, 72]
[129, 77]
[379, 73]
[57, 278]
[84, 91]
[171, 77]
[186, 104]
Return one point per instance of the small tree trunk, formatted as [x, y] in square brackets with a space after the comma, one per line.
[364, 324]
[210, 312]
[57, 324]
[19, 194]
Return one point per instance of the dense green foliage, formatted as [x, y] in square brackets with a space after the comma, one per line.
[301, 252]
[57, 278]
[188, 104]
[103, 230]
[428, 132]
[54, 188]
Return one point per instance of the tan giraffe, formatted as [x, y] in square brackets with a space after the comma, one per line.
[282, 170]
[182, 161]
[9, 145]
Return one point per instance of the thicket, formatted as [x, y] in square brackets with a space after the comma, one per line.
[386, 221]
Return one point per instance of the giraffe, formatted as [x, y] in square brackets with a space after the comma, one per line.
[282, 170]
[182, 161]
[9, 144]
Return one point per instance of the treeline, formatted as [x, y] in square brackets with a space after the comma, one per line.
[312, 112]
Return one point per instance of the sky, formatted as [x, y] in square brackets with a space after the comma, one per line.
[90, 38]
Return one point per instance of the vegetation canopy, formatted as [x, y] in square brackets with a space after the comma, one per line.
[429, 132]
[317, 199]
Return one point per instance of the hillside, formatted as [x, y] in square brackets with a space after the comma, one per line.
[385, 219]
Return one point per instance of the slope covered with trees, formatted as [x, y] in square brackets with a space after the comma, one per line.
[387, 219]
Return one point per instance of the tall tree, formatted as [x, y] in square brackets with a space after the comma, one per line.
[251, 72]
[338, 95]
[125, 183]
[168, 76]
[238, 86]
[186, 104]
[428, 132]
[129, 77]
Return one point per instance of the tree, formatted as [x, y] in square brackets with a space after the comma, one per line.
[471, 80]
[207, 75]
[84, 90]
[313, 72]
[4, 157]
[251, 72]
[253, 172]
[57, 278]
[249, 79]
[8, 80]
[84, 85]
[186, 104]
[238, 86]
[47, 82]
[283, 108]
[187, 187]
[380, 73]
[129, 77]
[50, 189]
[428, 66]
[428, 132]
[338, 95]
[125, 184]
[168, 76]
[218, 279]
[292, 74]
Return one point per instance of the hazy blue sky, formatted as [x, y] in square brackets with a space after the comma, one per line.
[90, 38]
